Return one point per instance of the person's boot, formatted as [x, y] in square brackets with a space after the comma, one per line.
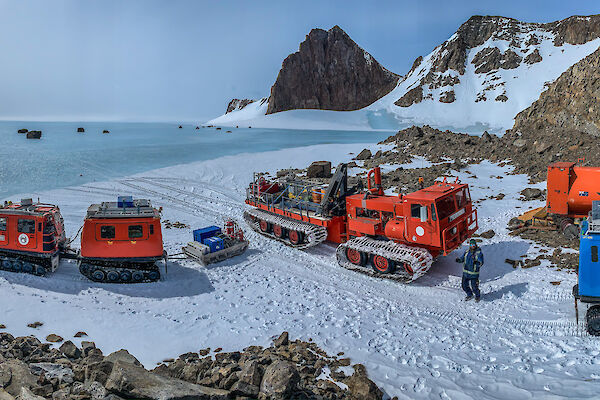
[477, 299]
[468, 298]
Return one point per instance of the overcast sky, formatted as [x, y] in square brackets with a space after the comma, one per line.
[177, 60]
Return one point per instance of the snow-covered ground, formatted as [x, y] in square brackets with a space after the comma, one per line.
[418, 341]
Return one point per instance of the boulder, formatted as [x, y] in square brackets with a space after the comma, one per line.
[107, 131]
[22, 130]
[34, 135]
[531, 193]
[80, 130]
[180, 126]
[4, 395]
[19, 376]
[362, 387]
[319, 169]
[53, 338]
[130, 381]
[25, 394]
[80, 334]
[488, 234]
[61, 372]
[122, 355]
[364, 155]
[69, 349]
[280, 380]
[282, 340]
[87, 346]
[519, 143]
[251, 373]
[241, 388]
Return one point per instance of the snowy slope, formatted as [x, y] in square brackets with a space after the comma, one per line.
[418, 341]
[446, 91]
[477, 92]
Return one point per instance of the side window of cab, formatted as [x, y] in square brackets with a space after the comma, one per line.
[2, 224]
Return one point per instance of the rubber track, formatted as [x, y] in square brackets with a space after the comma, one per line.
[548, 328]
[313, 234]
[86, 269]
[420, 260]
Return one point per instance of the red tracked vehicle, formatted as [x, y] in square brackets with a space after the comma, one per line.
[121, 242]
[395, 237]
[32, 236]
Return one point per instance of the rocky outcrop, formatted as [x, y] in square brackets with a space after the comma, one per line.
[238, 104]
[34, 135]
[569, 104]
[31, 370]
[329, 72]
[449, 61]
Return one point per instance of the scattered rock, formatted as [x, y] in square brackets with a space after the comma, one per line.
[52, 338]
[180, 127]
[22, 130]
[364, 155]
[282, 340]
[319, 169]
[488, 234]
[80, 334]
[131, 381]
[106, 131]
[280, 380]
[69, 349]
[531, 194]
[123, 356]
[35, 325]
[80, 130]
[34, 135]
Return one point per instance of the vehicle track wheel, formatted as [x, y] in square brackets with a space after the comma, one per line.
[7, 264]
[278, 231]
[137, 276]
[39, 270]
[264, 226]
[295, 237]
[355, 257]
[27, 268]
[593, 320]
[17, 266]
[153, 275]
[98, 275]
[383, 265]
[408, 268]
[126, 276]
[84, 268]
[112, 276]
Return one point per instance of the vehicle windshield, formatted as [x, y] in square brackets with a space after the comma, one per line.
[446, 207]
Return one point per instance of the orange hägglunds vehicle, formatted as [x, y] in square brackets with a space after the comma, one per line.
[571, 189]
[31, 237]
[397, 236]
[121, 242]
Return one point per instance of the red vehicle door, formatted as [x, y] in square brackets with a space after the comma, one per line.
[419, 229]
[26, 238]
[3, 231]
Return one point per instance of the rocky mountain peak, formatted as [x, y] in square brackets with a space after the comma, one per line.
[484, 45]
[329, 72]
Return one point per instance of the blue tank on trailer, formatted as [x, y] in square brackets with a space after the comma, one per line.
[200, 235]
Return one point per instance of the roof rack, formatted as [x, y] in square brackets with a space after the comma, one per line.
[112, 209]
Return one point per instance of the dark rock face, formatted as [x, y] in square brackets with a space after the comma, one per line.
[570, 103]
[238, 104]
[576, 29]
[533, 57]
[413, 96]
[329, 72]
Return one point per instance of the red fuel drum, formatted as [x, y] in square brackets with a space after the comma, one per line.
[571, 189]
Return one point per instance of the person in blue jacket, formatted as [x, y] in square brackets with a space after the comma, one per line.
[472, 261]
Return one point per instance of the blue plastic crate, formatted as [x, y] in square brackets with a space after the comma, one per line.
[201, 234]
[125, 201]
[214, 243]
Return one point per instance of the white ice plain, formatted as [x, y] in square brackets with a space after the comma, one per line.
[418, 341]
